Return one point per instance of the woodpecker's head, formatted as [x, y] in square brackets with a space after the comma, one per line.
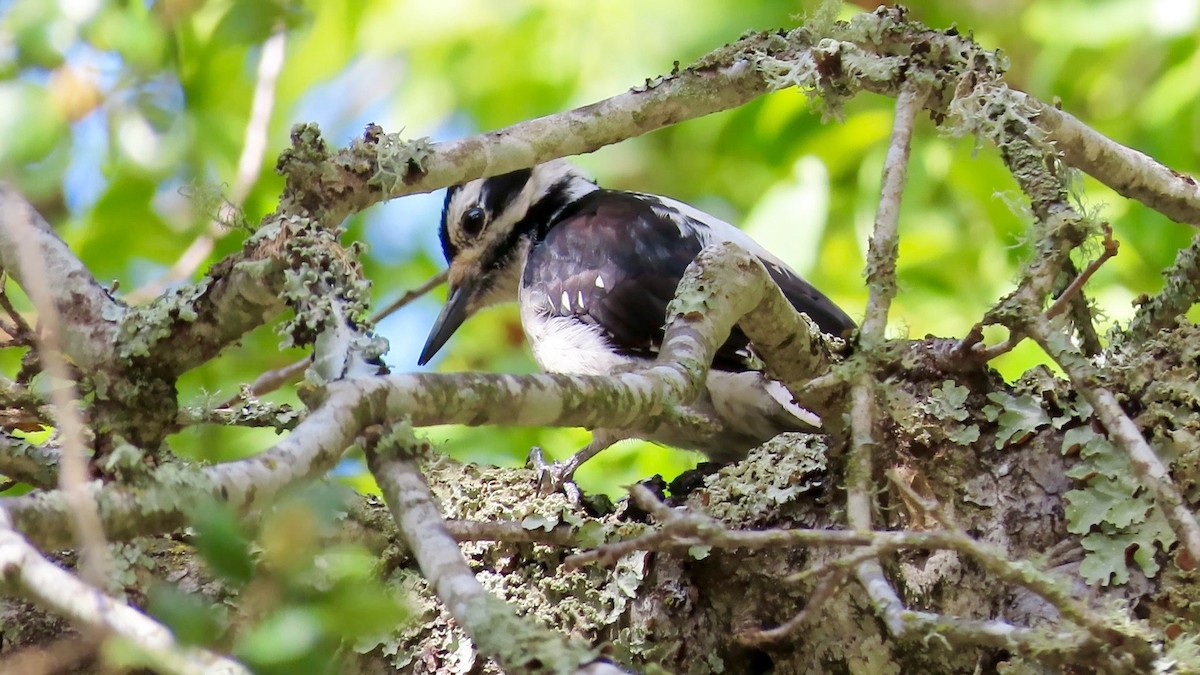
[488, 226]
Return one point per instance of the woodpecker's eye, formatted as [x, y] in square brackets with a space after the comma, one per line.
[472, 221]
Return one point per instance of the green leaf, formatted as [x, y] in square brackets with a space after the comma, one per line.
[192, 619]
[287, 635]
[359, 610]
[222, 542]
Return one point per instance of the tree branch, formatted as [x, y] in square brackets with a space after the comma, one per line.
[1131, 173]
[89, 316]
[1179, 293]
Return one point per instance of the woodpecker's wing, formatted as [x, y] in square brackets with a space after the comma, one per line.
[614, 259]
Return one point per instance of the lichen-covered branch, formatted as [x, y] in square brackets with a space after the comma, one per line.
[1131, 173]
[863, 413]
[27, 462]
[885, 238]
[726, 286]
[24, 570]
[1179, 293]
[158, 502]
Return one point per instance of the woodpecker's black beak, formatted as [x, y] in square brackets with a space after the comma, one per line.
[452, 316]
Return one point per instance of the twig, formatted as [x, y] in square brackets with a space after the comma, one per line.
[1072, 300]
[1026, 575]
[881, 279]
[517, 643]
[885, 239]
[1079, 310]
[73, 469]
[24, 569]
[826, 588]
[411, 295]
[970, 345]
[274, 379]
[1131, 173]
[271, 380]
[679, 528]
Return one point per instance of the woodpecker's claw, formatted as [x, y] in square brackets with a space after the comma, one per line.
[555, 476]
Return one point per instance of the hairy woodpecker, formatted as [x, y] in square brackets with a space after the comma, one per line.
[593, 271]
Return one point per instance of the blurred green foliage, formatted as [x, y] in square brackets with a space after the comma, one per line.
[112, 114]
[299, 599]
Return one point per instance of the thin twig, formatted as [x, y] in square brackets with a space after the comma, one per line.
[881, 278]
[885, 239]
[825, 589]
[1025, 574]
[678, 529]
[274, 379]
[254, 147]
[411, 295]
[970, 345]
[1110, 249]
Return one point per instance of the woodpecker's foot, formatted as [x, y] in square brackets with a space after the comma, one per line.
[554, 476]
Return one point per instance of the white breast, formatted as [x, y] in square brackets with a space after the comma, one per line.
[564, 344]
